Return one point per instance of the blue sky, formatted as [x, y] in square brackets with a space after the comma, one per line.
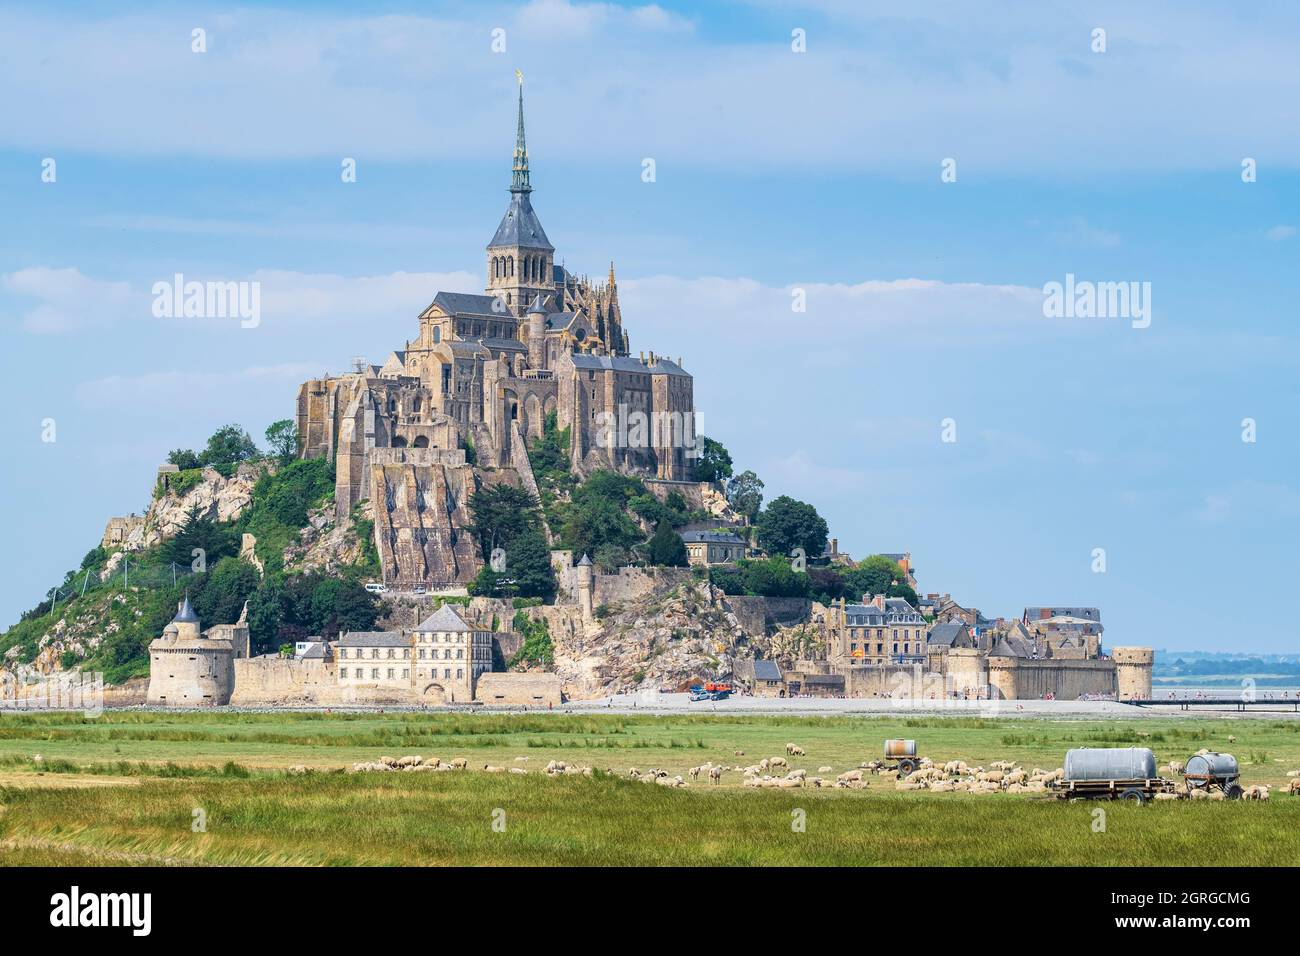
[775, 171]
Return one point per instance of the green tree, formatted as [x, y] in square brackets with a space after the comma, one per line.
[501, 514]
[774, 577]
[528, 564]
[596, 523]
[714, 464]
[204, 533]
[745, 493]
[282, 437]
[183, 458]
[666, 548]
[218, 596]
[228, 445]
[875, 574]
[787, 524]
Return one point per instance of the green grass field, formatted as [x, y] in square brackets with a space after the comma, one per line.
[124, 788]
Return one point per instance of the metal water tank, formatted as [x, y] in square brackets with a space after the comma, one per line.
[1203, 769]
[900, 748]
[1110, 763]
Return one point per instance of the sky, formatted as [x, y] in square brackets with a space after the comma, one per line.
[913, 174]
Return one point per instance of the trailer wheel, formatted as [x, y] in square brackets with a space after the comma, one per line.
[905, 767]
[1133, 793]
[1232, 791]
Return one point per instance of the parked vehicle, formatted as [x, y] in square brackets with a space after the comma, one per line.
[904, 751]
[1111, 773]
[374, 587]
[1209, 771]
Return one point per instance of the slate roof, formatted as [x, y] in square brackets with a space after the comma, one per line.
[505, 345]
[184, 613]
[946, 635]
[374, 639]
[520, 226]
[443, 619]
[766, 670]
[716, 537]
[466, 303]
[625, 363]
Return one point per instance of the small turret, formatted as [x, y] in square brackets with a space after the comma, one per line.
[186, 621]
[537, 334]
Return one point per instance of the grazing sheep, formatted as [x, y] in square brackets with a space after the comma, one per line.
[823, 769]
[519, 770]
[777, 762]
[491, 769]
[667, 781]
[518, 759]
[715, 775]
[796, 775]
[695, 773]
[1176, 766]
[764, 764]
[752, 782]
[1293, 773]
[793, 750]
[1168, 796]
[1293, 787]
[460, 763]
[739, 753]
[411, 761]
[1258, 792]
[849, 776]
[1231, 739]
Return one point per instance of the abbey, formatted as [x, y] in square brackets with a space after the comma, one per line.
[481, 378]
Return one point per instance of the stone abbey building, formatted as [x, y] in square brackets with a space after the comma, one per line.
[481, 376]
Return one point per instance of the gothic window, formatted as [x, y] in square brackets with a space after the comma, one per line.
[437, 334]
[512, 266]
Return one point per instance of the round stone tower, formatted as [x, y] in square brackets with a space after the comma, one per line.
[187, 669]
[585, 580]
[1133, 672]
[537, 334]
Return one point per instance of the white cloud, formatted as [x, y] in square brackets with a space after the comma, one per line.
[181, 390]
[877, 91]
[1278, 233]
[69, 300]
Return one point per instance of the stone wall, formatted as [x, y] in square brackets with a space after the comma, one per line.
[761, 615]
[1018, 679]
[631, 584]
[528, 689]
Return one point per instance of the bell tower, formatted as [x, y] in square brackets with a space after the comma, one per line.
[520, 259]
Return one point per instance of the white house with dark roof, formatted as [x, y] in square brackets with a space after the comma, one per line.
[450, 654]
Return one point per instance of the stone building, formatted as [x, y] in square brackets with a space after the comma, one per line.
[483, 375]
[879, 631]
[451, 655]
[189, 667]
[713, 547]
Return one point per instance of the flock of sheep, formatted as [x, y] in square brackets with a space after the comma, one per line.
[954, 776]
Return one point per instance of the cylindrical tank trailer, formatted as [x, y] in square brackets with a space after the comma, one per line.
[1127, 773]
[904, 751]
[1209, 770]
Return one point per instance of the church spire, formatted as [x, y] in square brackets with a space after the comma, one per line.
[519, 181]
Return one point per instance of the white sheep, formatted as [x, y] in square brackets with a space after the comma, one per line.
[715, 774]
[793, 750]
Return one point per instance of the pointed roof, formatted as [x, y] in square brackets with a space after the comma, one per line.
[443, 619]
[185, 613]
[520, 225]
[519, 178]
[585, 562]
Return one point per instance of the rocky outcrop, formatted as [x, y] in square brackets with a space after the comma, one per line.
[215, 496]
[667, 638]
[421, 522]
[326, 544]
